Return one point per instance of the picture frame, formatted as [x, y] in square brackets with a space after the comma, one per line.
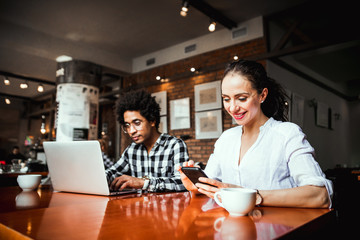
[207, 96]
[163, 124]
[180, 113]
[322, 115]
[208, 125]
[161, 99]
[297, 109]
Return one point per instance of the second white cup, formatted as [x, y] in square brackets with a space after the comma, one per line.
[237, 201]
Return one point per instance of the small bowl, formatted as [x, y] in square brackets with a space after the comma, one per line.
[29, 182]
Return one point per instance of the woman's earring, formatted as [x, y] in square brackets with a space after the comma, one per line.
[262, 101]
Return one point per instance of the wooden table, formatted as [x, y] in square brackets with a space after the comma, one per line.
[44, 214]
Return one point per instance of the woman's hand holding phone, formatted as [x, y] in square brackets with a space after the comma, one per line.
[195, 180]
[204, 184]
[188, 184]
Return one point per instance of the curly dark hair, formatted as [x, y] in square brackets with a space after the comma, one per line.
[138, 100]
[275, 104]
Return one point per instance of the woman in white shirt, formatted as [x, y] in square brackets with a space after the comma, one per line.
[265, 152]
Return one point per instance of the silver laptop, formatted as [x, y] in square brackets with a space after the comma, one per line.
[78, 167]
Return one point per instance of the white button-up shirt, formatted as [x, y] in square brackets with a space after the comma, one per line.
[280, 158]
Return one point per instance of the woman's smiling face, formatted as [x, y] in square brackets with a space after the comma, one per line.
[240, 99]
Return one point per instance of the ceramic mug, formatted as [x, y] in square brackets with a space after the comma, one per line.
[237, 201]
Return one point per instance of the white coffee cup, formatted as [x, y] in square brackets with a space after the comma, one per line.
[29, 182]
[237, 201]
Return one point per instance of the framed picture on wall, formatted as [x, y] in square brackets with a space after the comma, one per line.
[180, 113]
[160, 98]
[163, 124]
[297, 109]
[207, 96]
[322, 115]
[208, 124]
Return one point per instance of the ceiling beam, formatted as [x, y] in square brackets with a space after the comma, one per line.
[41, 112]
[15, 96]
[286, 37]
[311, 79]
[297, 49]
[31, 79]
[212, 13]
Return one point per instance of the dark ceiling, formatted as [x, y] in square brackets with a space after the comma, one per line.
[320, 40]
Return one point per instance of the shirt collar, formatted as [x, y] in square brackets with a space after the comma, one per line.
[161, 140]
[267, 123]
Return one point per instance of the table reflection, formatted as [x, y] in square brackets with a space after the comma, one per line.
[149, 216]
[28, 199]
[85, 216]
[235, 227]
[14, 199]
[254, 226]
[44, 214]
[262, 223]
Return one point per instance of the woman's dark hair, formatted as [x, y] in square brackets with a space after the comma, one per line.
[138, 100]
[275, 104]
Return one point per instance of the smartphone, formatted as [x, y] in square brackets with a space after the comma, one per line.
[193, 173]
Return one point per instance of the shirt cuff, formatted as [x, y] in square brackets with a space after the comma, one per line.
[319, 182]
[146, 184]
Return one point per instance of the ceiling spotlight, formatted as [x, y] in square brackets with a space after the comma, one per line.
[6, 81]
[184, 8]
[40, 88]
[42, 127]
[24, 85]
[236, 58]
[158, 78]
[212, 26]
[63, 58]
[7, 101]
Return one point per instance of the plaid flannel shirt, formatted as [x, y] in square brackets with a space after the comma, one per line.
[159, 165]
[107, 161]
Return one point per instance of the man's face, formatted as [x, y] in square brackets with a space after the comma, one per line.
[138, 128]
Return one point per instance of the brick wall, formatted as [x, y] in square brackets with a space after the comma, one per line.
[181, 85]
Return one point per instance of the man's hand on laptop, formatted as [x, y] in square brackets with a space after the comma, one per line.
[126, 181]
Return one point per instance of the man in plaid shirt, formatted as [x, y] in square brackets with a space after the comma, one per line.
[150, 161]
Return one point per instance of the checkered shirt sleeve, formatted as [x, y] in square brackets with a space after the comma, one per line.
[107, 161]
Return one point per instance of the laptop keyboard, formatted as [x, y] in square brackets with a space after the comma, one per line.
[123, 192]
